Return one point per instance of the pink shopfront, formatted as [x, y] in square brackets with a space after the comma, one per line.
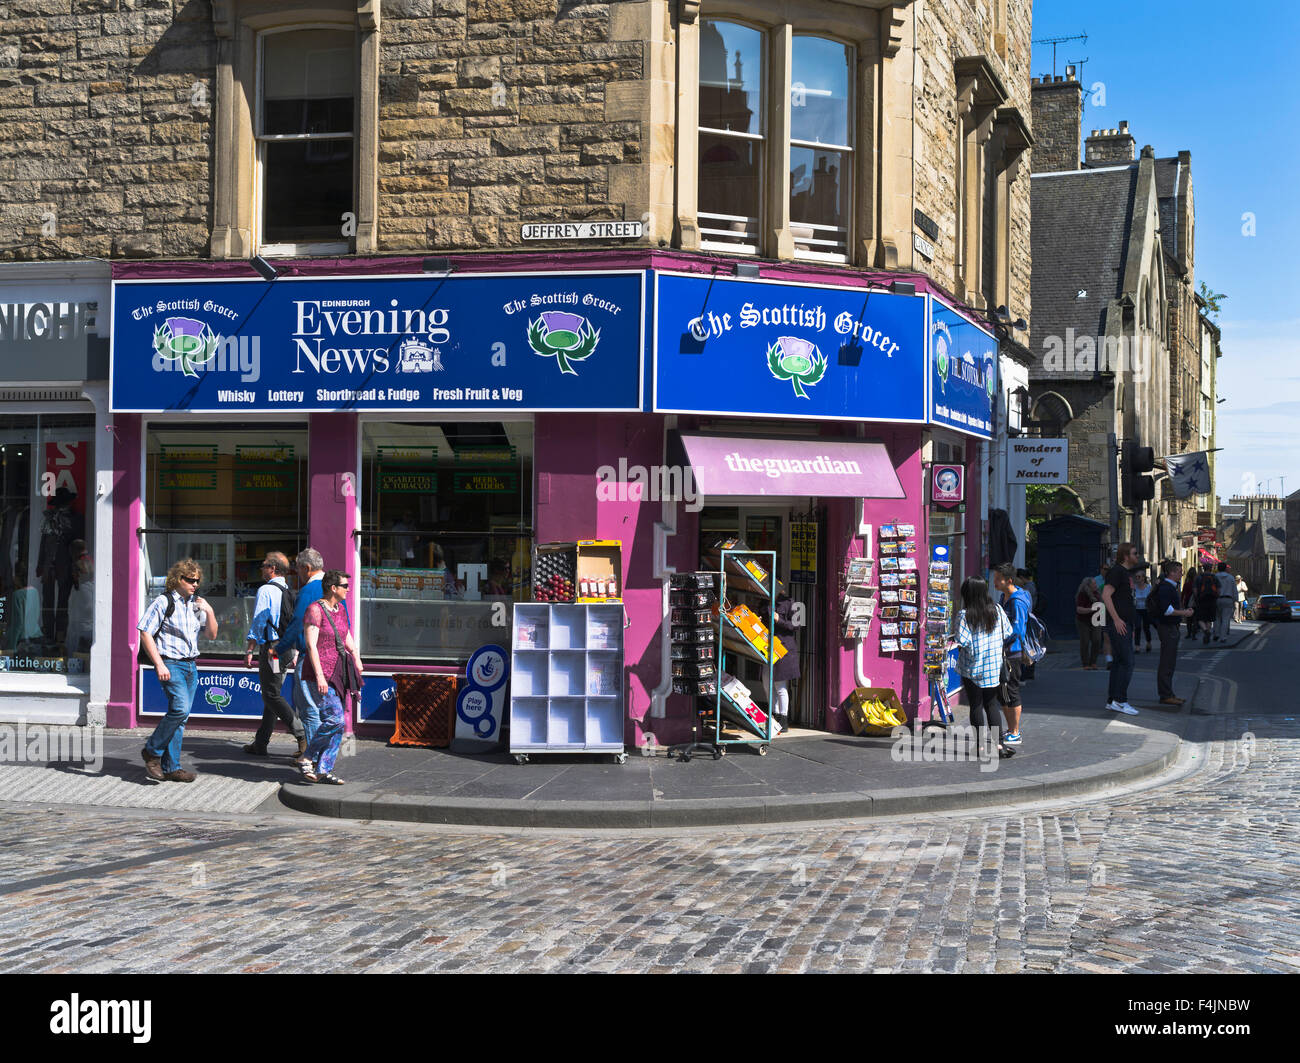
[425, 423]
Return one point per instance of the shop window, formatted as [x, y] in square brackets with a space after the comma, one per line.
[296, 92]
[225, 495]
[47, 568]
[741, 170]
[446, 513]
[306, 119]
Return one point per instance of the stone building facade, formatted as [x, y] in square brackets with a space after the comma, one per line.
[130, 131]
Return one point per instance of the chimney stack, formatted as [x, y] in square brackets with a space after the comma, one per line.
[1058, 121]
[1110, 147]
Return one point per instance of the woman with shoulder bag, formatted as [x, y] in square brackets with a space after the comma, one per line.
[334, 669]
[982, 632]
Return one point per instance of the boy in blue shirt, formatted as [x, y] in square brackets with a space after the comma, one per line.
[1015, 602]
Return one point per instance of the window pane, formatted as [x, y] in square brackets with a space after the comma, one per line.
[438, 497]
[729, 189]
[731, 77]
[47, 572]
[291, 168]
[819, 199]
[225, 496]
[819, 91]
[308, 81]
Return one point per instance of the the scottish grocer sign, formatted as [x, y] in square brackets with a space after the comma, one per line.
[964, 368]
[484, 343]
[786, 350]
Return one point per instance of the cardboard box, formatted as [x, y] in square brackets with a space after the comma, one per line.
[600, 561]
[745, 633]
[743, 573]
[855, 706]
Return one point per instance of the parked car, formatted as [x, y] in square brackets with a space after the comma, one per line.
[1272, 607]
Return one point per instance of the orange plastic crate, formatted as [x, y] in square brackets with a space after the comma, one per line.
[426, 710]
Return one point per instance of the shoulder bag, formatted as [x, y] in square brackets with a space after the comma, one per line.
[346, 679]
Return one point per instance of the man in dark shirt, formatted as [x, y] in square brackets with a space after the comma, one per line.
[1120, 617]
[1167, 597]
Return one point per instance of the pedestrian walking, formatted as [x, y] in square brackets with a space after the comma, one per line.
[1026, 584]
[1241, 599]
[1189, 601]
[1167, 598]
[787, 668]
[1121, 618]
[1015, 602]
[292, 648]
[272, 614]
[1226, 603]
[982, 634]
[1207, 601]
[169, 634]
[1086, 600]
[329, 645]
[1144, 627]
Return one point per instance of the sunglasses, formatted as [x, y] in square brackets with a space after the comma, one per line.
[187, 579]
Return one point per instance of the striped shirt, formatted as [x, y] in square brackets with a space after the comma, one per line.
[980, 659]
[178, 638]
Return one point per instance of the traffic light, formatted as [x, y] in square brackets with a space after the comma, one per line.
[1135, 486]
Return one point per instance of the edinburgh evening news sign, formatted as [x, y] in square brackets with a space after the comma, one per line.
[788, 350]
[963, 373]
[482, 342]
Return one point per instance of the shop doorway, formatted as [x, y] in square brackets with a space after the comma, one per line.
[796, 532]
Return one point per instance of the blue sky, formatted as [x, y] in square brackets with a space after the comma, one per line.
[1218, 82]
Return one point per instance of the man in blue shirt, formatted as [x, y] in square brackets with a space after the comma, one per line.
[262, 634]
[1015, 601]
[293, 647]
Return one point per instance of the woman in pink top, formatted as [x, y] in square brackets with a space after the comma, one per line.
[324, 628]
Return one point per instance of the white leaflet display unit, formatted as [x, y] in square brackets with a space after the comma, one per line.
[566, 688]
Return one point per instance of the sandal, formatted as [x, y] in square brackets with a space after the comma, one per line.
[308, 771]
[329, 777]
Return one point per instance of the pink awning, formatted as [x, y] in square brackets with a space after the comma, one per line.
[792, 468]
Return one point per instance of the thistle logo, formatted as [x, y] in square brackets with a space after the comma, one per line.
[217, 698]
[796, 360]
[942, 359]
[185, 340]
[564, 337]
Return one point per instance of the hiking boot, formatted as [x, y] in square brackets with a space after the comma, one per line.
[180, 775]
[152, 765]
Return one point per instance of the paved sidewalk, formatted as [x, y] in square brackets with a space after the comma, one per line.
[1072, 745]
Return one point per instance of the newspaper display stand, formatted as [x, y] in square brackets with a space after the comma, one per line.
[742, 632]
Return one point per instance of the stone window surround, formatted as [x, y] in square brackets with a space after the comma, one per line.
[992, 139]
[237, 24]
[876, 37]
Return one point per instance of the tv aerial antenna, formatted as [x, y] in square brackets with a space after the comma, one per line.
[1054, 41]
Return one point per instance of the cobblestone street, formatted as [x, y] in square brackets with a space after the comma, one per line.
[1197, 875]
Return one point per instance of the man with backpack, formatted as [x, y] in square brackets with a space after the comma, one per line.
[1163, 611]
[272, 614]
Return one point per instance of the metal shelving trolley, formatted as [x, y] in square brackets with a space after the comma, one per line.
[566, 691]
[742, 632]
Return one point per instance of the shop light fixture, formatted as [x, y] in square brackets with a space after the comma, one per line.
[747, 269]
[902, 288]
[437, 265]
[268, 272]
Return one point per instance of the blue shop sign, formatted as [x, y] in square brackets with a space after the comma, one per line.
[964, 372]
[788, 350]
[236, 694]
[485, 343]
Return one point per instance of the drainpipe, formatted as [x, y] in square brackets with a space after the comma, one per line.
[859, 675]
[663, 571]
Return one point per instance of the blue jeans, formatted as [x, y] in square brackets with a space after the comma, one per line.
[323, 749]
[307, 702]
[1121, 669]
[165, 742]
